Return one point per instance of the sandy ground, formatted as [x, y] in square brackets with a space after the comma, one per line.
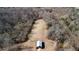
[39, 32]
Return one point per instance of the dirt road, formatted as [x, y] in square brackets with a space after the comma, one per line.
[39, 32]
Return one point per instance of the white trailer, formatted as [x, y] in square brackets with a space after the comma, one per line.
[39, 44]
